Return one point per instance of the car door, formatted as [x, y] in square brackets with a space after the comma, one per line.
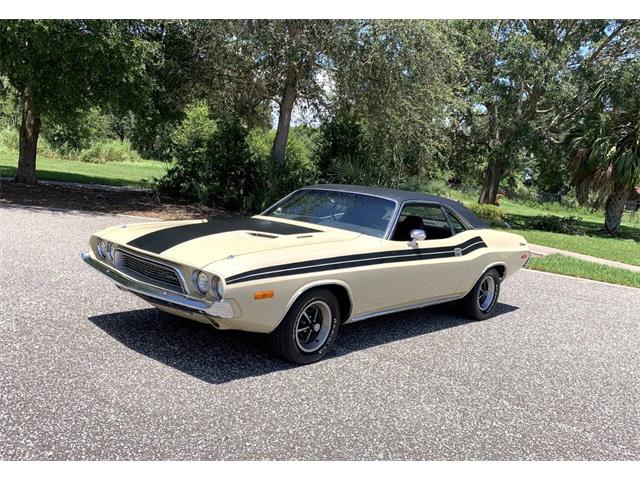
[439, 267]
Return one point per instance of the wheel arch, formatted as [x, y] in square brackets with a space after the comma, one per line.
[339, 288]
[501, 267]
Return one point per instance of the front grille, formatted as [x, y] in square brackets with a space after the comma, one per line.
[148, 271]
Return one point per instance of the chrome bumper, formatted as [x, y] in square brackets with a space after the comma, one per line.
[219, 309]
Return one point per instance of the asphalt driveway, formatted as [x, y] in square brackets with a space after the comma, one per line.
[89, 372]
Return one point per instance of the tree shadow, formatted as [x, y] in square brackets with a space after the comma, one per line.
[216, 356]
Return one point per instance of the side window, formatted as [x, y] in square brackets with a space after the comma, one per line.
[455, 223]
[429, 218]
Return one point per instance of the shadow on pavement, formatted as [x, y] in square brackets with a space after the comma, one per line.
[221, 356]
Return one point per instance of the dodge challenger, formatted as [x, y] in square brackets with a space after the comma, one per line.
[322, 256]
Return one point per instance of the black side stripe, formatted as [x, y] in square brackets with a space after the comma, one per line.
[360, 260]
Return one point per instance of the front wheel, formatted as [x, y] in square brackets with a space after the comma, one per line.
[481, 301]
[309, 328]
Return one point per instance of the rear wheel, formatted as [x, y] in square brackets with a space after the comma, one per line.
[309, 328]
[481, 301]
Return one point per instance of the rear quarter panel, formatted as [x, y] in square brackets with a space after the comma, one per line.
[504, 250]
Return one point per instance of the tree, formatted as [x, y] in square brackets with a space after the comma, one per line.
[394, 86]
[251, 63]
[512, 75]
[61, 67]
[605, 143]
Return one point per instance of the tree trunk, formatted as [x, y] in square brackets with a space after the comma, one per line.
[493, 172]
[491, 182]
[279, 149]
[29, 133]
[614, 207]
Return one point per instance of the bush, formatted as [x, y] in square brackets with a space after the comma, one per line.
[487, 212]
[300, 163]
[10, 142]
[225, 164]
[569, 225]
[191, 138]
[219, 170]
[109, 151]
[9, 138]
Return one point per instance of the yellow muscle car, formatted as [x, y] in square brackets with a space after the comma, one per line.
[320, 257]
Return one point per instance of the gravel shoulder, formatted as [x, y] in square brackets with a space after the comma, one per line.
[89, 372]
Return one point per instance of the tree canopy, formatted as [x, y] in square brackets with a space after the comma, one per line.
[505, 105]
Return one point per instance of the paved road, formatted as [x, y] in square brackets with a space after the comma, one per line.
[89, 372]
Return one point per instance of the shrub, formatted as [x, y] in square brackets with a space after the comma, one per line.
[9, 138]
[487, 212]
[226, 164]
[191, 138]
[219, 170]
[300, 162]
[108, 151]
[569, 225]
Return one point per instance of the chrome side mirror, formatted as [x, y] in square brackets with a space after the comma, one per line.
[417, 235]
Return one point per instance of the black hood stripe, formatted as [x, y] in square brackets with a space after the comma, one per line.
[360, 260]
[161, 240]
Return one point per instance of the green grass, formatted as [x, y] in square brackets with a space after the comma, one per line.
[136, 174]
[618, 249]
[624, 248]
[583, 269]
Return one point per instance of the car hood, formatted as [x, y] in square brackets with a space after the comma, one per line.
[201, 242]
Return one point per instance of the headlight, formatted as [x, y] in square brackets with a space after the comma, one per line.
[218, 286]
[110, 251]
[202, 283]
[102, 248]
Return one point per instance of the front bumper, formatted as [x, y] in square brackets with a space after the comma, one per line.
[153, 294]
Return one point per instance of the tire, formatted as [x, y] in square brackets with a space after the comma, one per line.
[297, 339]
[477, 305]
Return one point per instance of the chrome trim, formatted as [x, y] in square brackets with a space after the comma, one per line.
[217, 309]
[415, 306]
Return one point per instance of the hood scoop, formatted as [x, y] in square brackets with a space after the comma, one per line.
[263, 235]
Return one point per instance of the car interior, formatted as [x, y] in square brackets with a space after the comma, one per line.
[429, 218]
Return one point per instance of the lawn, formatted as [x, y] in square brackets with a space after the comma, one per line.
[624, 248]
[582, 269]
[136, 174]
[618, 249]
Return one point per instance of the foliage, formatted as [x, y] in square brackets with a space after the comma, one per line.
[9, 139]
[72, 64]
[488, 212]
[220, 171]
[299, 168]
[535, 109]
[568, 225]
[109, 151]
[191, 137]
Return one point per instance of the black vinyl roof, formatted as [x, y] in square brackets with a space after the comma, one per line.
[402, 196]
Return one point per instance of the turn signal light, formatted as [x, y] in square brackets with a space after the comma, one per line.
[263, 294]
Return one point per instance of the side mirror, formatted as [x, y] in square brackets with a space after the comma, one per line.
[417, 235]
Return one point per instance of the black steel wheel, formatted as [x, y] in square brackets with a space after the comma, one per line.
[309, 329]
[481, 301]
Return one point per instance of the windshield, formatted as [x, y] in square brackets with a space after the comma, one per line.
[350, 211]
